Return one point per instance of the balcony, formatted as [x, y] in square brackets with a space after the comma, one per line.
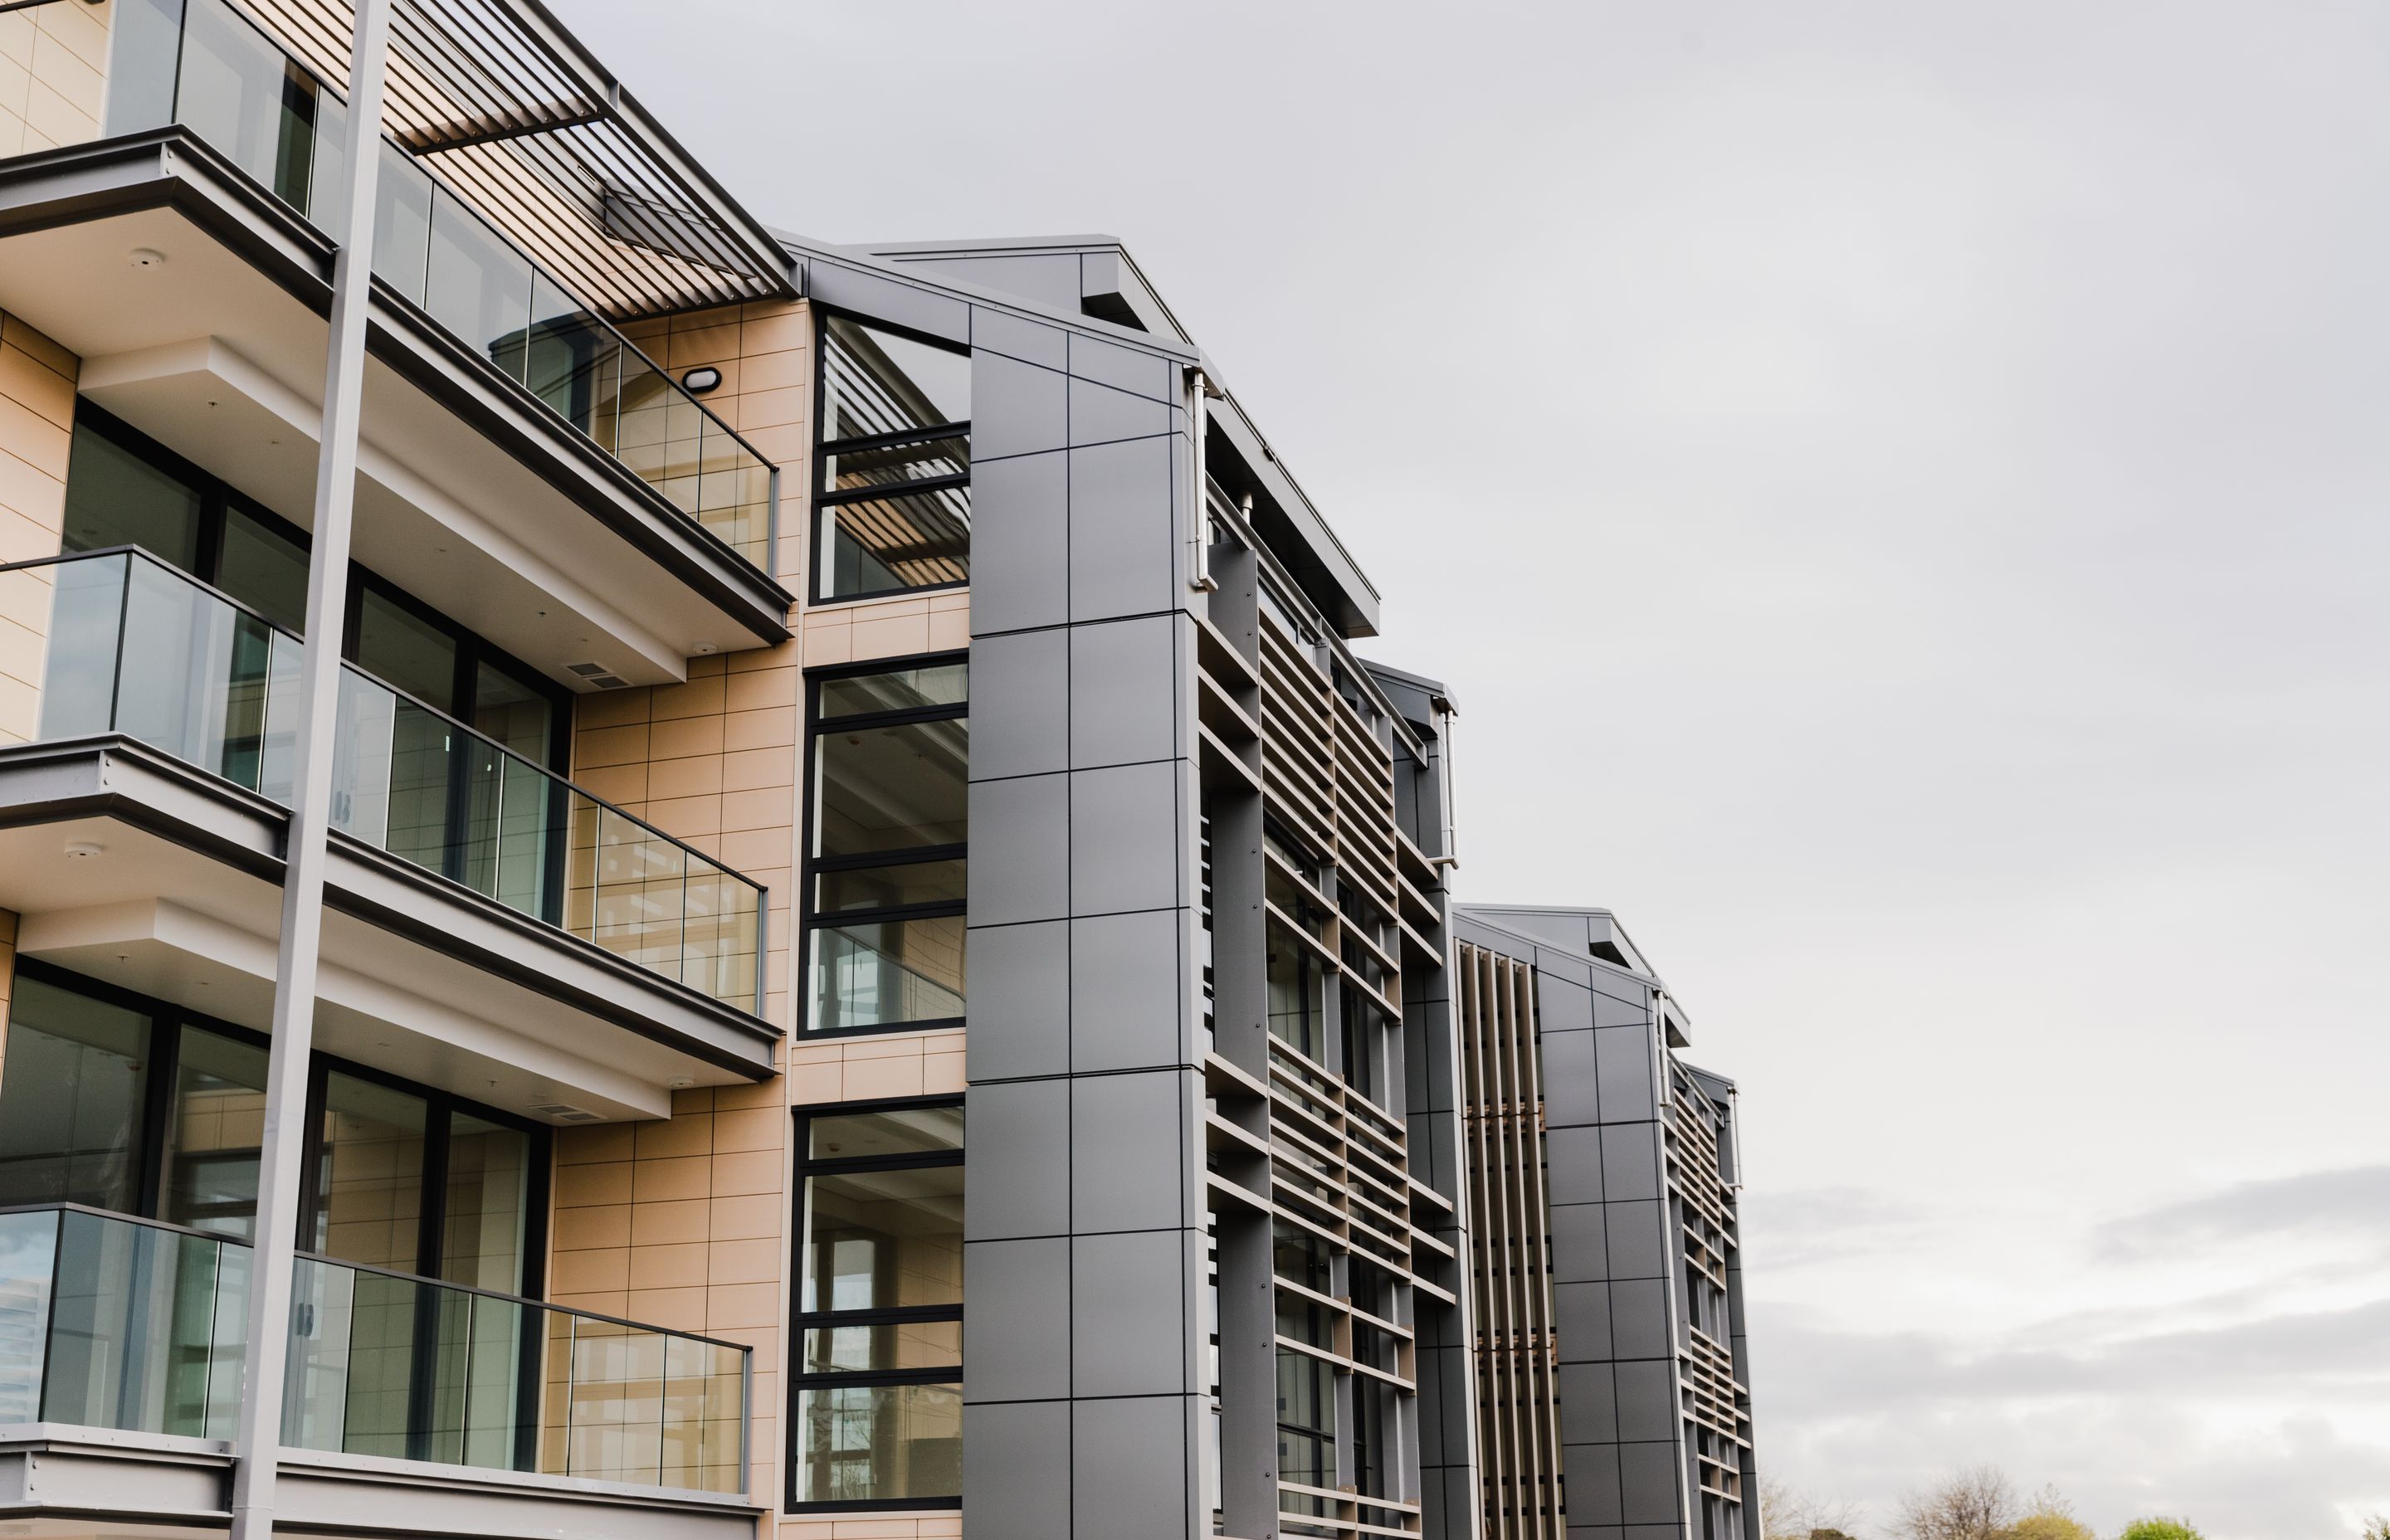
[504, 409]
[477, 901]
[122, 1343]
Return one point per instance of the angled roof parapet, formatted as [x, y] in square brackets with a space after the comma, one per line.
[1094, 276]
[1575, 930]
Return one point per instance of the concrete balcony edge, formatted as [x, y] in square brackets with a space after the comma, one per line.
[171, 168]
[55, 1471]
[122, 779]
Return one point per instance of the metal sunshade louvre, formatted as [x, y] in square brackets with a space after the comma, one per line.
[507, 108]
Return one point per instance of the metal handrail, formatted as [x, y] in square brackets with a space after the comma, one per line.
[218, 593]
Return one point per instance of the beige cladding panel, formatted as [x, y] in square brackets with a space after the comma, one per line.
[53, 75]
[687, 1223]
[37, 397]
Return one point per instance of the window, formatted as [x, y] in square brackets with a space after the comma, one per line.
[73, 1098]
[135, 1105]
[884, 872]
[895, 497]
[413, 1180]
[878, 1348]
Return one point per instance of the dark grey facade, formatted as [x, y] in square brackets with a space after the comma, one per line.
[1612, 1362]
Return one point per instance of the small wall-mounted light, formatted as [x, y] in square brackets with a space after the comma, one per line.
[701, 380]
[83, 850]
[145, 257]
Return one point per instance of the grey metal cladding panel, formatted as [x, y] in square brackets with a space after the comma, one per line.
[1018, 1163]
[1648, 1489]
[1019, 868]
[1016, 1471]
[1647, 1399]
[1120, 528]
[1124, 369]
[1427, 1075]
[1017, 408]
[1630, 1160]
[1101, 415]
[1017, 337]
[1021, 704]
[878, 298]
[1128, 1469]
[1020, 543]
[1129, 1148]
[1045, 277]
[1456, 1393]
[1624, 1057]
[1620, 986]
[1608, 1012]
[1639, 1321]
[1436, 1150]
[1580, 1250]
[1126, 991]
[1018, 1012]
[1123, 691]
[1653, 1531]
[1572, 1079]
[1596, 1531]
[1017, 1333]
[1129, 1303]
[1589, 1403]
[1561, 1006]
[1573, 1155]
[1591, 1472]
[1430, 1366]
[1124, 839]
[1582, 1312]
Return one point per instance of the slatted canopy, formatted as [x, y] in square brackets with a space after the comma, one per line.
[524, 123]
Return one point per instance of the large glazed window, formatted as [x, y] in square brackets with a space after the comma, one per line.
[878, 1348]
[416, 1181]
[135, 1105]
[73, 1101]
[884, 872]
[894, 497]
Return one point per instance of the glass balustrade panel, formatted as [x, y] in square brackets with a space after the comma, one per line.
[616, 1402]
[247, 99]
[29, 1248]
[734, 492]
[110, 1323]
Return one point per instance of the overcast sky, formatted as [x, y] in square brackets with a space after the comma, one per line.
[1897, 492]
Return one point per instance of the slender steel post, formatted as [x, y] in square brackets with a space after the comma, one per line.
[282, 1146]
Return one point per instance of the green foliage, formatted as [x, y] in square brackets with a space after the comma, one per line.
[2160, 1528]
[2376, 1528]
[2048, 1523]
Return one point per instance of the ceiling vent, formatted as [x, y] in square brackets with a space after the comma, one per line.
[599, 676]
[556, 1112]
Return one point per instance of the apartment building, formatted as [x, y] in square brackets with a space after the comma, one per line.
[1612, 1366]
[516, 1071]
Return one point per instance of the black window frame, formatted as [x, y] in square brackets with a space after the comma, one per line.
[827, 447]
[800, 1320]
[164, 1053]
[811, 865]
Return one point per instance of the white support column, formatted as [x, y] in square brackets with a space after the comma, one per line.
[283, 1145]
